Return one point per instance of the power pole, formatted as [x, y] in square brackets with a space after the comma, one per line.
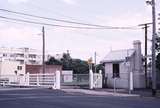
[43, 47]
[95, 60]
[153, 50]
[154, 82]
[145, 27]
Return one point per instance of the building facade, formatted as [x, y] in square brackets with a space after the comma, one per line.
[23, 55]
[119, 64]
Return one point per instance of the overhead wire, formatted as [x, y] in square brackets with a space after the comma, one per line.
[40, 23]
[67, 21]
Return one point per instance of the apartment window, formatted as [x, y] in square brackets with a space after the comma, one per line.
[4, 55]
[116, 70]
[19, 67]
[32, 56]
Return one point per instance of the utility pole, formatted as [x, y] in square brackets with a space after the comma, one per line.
[145, 27]
[95, 60]
[153, 50]
[43, 47]
[154, 82]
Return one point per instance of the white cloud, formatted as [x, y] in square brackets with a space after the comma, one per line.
[17, 1]
[71, 2]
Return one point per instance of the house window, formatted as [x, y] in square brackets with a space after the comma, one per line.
[19, 67]
[116, 70]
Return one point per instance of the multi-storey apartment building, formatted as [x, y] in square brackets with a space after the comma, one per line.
[23, 55]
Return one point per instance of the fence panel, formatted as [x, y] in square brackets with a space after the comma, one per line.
[42, 79]
[75, 80]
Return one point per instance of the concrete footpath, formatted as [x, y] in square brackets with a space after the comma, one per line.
[110, 92]
[98, 92]
[137, 92]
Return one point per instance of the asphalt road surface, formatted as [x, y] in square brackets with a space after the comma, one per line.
[46, 98]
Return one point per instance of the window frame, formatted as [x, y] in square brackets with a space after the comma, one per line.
[116, 70]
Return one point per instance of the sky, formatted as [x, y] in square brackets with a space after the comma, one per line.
[81, 43]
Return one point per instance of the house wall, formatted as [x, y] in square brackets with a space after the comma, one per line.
[134, 65]
[9, 68]
[138, 72]
[122, 81]
[35, 69]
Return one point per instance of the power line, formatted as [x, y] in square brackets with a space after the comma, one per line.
[66, 21]
[40, 23]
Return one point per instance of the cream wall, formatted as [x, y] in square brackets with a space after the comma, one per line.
[9, 68]
[122, 81]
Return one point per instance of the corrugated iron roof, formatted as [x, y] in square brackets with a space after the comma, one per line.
[118, 55]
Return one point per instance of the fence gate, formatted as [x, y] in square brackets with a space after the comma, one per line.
[75, 81]
[46, 80]
[42, 79]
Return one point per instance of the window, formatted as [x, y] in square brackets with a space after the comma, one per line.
[116, 70]
[19, 67]
[4, 55]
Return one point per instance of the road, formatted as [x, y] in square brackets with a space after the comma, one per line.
[46, 98]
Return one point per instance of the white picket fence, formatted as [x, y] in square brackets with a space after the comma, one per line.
[50, 80]
[41, 80]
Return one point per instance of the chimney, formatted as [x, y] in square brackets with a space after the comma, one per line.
[138, 55]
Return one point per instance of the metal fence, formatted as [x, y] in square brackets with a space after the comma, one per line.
[75, 80]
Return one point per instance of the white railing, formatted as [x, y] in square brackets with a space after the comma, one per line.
[42, 79]
[45, 80]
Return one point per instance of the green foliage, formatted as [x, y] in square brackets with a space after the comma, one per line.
[100, 67]
[158, 62]
[66, 62]
[158, 44]
[53, 61]
[78, 66]
[158, 56]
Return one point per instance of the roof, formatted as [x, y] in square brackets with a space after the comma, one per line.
[118, 55]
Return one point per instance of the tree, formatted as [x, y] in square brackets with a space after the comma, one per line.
[80, 66]
[100, 67]
[53, 61]
[158, 62]
[158, 55]
[68, 63]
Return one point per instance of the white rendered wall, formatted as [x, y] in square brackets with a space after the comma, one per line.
[122, 81]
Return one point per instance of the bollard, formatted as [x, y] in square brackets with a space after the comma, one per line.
[114, 84]
[130, 82]
[57, 80]
[91, 79]
[38, 80]
[27, 79]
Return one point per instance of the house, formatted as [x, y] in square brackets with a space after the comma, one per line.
[11, 68]
[12, 71]
[119, 64]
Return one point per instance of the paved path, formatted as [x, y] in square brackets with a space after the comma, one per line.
[98, 93]
[46, 98]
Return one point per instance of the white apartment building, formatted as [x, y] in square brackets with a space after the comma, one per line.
[23, 55]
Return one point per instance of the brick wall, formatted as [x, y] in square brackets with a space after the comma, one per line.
[34, 69]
